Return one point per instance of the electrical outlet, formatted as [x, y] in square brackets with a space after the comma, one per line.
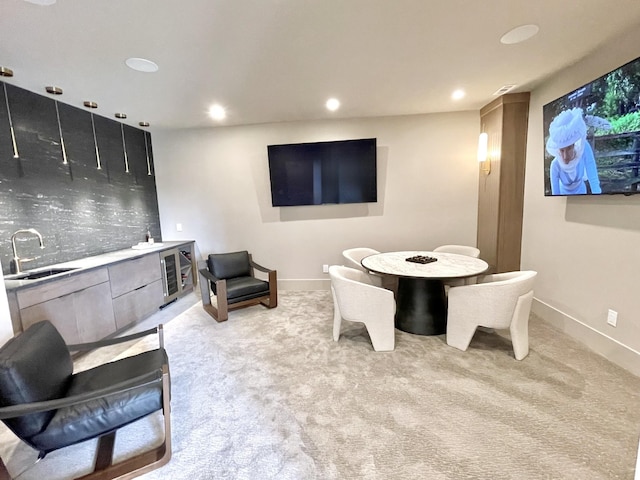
[178, 227]
[612, 318]
[325, 268]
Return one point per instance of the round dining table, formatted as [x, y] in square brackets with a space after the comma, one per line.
[421, 302]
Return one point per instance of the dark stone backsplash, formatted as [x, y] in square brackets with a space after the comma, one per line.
[79, 210]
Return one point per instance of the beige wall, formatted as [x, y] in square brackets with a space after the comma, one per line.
[215, 182]
[586, 250]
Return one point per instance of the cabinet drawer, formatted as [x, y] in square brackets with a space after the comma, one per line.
[59, 287]
[139, 304]
[132, 274]
[82, 316]
[58, 311]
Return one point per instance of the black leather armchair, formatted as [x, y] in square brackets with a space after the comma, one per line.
[230, 276]
[49, 407]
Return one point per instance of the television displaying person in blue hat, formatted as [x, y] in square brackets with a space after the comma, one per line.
[573, 169]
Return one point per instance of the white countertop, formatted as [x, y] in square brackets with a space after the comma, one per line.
[84, 264]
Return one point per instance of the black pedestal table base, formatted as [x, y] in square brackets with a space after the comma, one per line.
[421, 306]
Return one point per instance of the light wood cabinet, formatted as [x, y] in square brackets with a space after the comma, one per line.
[90, 305]
[136, 288]
[137, 304]
[81, 315]
[501, 190]
[131, 274]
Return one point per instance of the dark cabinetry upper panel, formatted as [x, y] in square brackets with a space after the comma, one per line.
[6, 147]
[37, 134]
[79, 143]
[100, 200]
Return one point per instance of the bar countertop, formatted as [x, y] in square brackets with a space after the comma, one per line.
[13, 282]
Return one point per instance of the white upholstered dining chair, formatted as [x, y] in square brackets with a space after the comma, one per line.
[460, 250]
[353, 257]
[499, 301]
[355, 299]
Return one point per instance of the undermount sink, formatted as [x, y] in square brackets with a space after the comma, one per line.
[36, 274]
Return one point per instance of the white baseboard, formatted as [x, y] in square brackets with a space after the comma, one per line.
[305, 284]
[614, 351]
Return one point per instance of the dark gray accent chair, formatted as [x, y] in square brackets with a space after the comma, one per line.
[230, 277]
[49, 407]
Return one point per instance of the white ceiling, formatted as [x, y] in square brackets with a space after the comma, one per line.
[280, 60]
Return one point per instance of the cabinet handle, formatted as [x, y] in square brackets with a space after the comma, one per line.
[165, 290]
[74, 292]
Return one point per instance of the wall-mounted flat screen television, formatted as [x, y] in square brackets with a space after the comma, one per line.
[592, 136]
[319, 173]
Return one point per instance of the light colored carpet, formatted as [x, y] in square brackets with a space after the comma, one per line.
[269, 395]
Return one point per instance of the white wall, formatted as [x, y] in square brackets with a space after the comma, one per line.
[215, 182]
[586, 250]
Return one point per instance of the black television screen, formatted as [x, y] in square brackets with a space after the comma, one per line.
[592, 136]
[323, 172]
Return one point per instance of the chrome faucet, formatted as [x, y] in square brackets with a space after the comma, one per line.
[17, 261]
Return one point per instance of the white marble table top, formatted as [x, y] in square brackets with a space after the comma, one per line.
[449, 265]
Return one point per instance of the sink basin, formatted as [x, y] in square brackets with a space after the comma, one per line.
[36, 274]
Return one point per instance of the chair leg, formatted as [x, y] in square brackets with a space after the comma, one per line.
[460, 335]
[382, 337]
[337, 318]
[273, 289]
[221, 298]
[104, 456]
[272, 300]
[519, 327]
[144, 462]
[221, 313]
[4, 473]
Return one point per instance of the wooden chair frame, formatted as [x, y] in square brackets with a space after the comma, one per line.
[221, 313]
[104, 468]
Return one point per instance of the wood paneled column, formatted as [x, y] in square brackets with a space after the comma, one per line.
[501, 189]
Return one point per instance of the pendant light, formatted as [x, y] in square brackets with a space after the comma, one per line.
[124, 148]
[13, 134]
[64, 150]
[146, 149]
[95, 142]
[58, 91]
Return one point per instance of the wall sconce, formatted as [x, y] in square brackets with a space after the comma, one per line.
[483, 156]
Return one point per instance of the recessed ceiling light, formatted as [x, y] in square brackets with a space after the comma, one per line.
[217, 112]
[519, 34]
[6, 72]
[120, 115]
[333, 104]
[457, 94]
[53, 90]
[141, 65]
